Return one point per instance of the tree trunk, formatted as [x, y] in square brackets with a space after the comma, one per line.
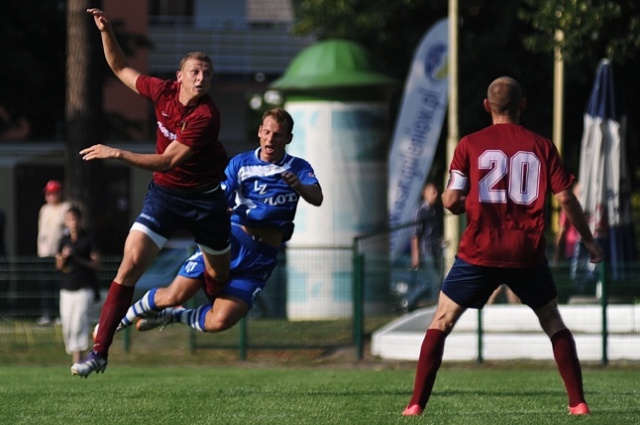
[83, 180]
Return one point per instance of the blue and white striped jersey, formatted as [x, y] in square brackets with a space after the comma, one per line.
[259, 196]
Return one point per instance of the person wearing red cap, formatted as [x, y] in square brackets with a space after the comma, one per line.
[53, 186]
[50, 230]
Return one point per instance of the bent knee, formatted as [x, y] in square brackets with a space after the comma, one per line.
[129, 273]
[218, 324]
[132, 267]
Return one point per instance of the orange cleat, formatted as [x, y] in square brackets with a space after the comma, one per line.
[580, 409]
[415, 410]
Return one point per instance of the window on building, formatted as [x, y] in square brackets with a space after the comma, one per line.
[169, 8]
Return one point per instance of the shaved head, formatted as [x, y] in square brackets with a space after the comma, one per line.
[505, 96]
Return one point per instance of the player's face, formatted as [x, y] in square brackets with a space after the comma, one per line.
[195, 77]
[273, 139]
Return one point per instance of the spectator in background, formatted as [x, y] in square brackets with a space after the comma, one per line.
[426, 244]
[50, 230]
[78, 259]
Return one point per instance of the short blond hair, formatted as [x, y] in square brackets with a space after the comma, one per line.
[200, 56]
[281, 116]
[504, 95]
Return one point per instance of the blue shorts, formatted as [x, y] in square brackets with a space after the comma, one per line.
[204, 215]
[252, 263]
[471, 286]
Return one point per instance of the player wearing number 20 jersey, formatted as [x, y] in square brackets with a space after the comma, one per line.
[500, 176]
[514, 168]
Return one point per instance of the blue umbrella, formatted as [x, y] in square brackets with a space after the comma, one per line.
[604, 174]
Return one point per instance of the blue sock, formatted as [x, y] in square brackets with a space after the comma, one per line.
[140, 308]
[193, 317]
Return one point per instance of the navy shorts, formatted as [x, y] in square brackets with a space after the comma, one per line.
[252, 263]
[471, 286]
[204, 215]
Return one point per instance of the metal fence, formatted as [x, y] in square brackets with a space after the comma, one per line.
[319, 298]
[602, 312]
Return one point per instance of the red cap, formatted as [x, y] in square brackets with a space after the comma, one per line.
[53, 186]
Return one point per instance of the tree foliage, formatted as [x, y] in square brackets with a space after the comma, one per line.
[490, 45]
[387, 27]
[33, 58]
[593, 29]
[33, 65]
[500, 37]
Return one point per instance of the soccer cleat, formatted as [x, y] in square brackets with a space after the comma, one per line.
[580, 409]
[94, 362]
[162, 320]
[413, 410]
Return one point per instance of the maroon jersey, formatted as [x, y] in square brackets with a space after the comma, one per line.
[509, 171]
[194, 126]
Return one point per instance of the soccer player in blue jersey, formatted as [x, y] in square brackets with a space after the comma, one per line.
[263, 187]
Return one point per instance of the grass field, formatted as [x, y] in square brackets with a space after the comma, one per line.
[255, 394]
[161, 382]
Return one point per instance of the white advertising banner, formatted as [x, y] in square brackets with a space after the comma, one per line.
[417, 131]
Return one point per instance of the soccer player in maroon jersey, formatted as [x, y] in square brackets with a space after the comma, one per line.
[500, 177]
[185, 192]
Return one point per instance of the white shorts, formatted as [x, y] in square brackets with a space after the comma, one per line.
[74, 314]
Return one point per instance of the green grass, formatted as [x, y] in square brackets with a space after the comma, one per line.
[270, 394]
[159, 381]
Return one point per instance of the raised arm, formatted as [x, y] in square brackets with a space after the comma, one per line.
[112, 51]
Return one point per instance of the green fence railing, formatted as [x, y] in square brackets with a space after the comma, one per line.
[320, 299]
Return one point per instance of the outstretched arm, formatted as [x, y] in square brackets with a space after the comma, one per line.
[112, 51]
[174, 155]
